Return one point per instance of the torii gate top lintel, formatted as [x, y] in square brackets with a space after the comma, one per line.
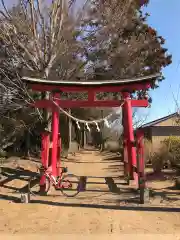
[123, 86]
[120, 85]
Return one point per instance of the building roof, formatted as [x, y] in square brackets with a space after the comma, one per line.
[150, 124]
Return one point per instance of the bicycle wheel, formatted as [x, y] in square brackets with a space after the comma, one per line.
[34, 185]
[70, 185]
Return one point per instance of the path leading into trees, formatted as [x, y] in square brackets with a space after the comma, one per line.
[107, 205]
[104, 177]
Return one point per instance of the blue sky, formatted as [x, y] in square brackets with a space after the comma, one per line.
[165, 18]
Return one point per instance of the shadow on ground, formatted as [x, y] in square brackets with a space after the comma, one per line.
[10, 174]
[113, 190]
[97, 206]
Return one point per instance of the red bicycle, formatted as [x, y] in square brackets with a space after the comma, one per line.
[68, 184]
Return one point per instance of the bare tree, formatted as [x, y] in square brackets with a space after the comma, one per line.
[39, 35]
[39, 39]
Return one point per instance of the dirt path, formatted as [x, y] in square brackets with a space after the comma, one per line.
[102, 208]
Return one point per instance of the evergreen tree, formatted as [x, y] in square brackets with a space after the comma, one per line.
[121, 43]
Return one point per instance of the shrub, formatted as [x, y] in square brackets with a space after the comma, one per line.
[3, 154]
[147, 150]
[173, 145]
[168, 154]
[160, 159]
[112, 146]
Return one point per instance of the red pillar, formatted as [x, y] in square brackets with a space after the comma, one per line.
[59, 155]
[55, 133]
[141, 165]
[44, 158]
[141, 162]
[45, 149]
[130, 133]
[125, 153]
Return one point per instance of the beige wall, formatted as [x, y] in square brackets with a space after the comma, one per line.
[156, 142]
[169, 122]
[154, 146]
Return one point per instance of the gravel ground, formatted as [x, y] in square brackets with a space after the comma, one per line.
[107, 205]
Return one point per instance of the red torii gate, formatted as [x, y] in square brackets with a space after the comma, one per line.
[133, 160]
